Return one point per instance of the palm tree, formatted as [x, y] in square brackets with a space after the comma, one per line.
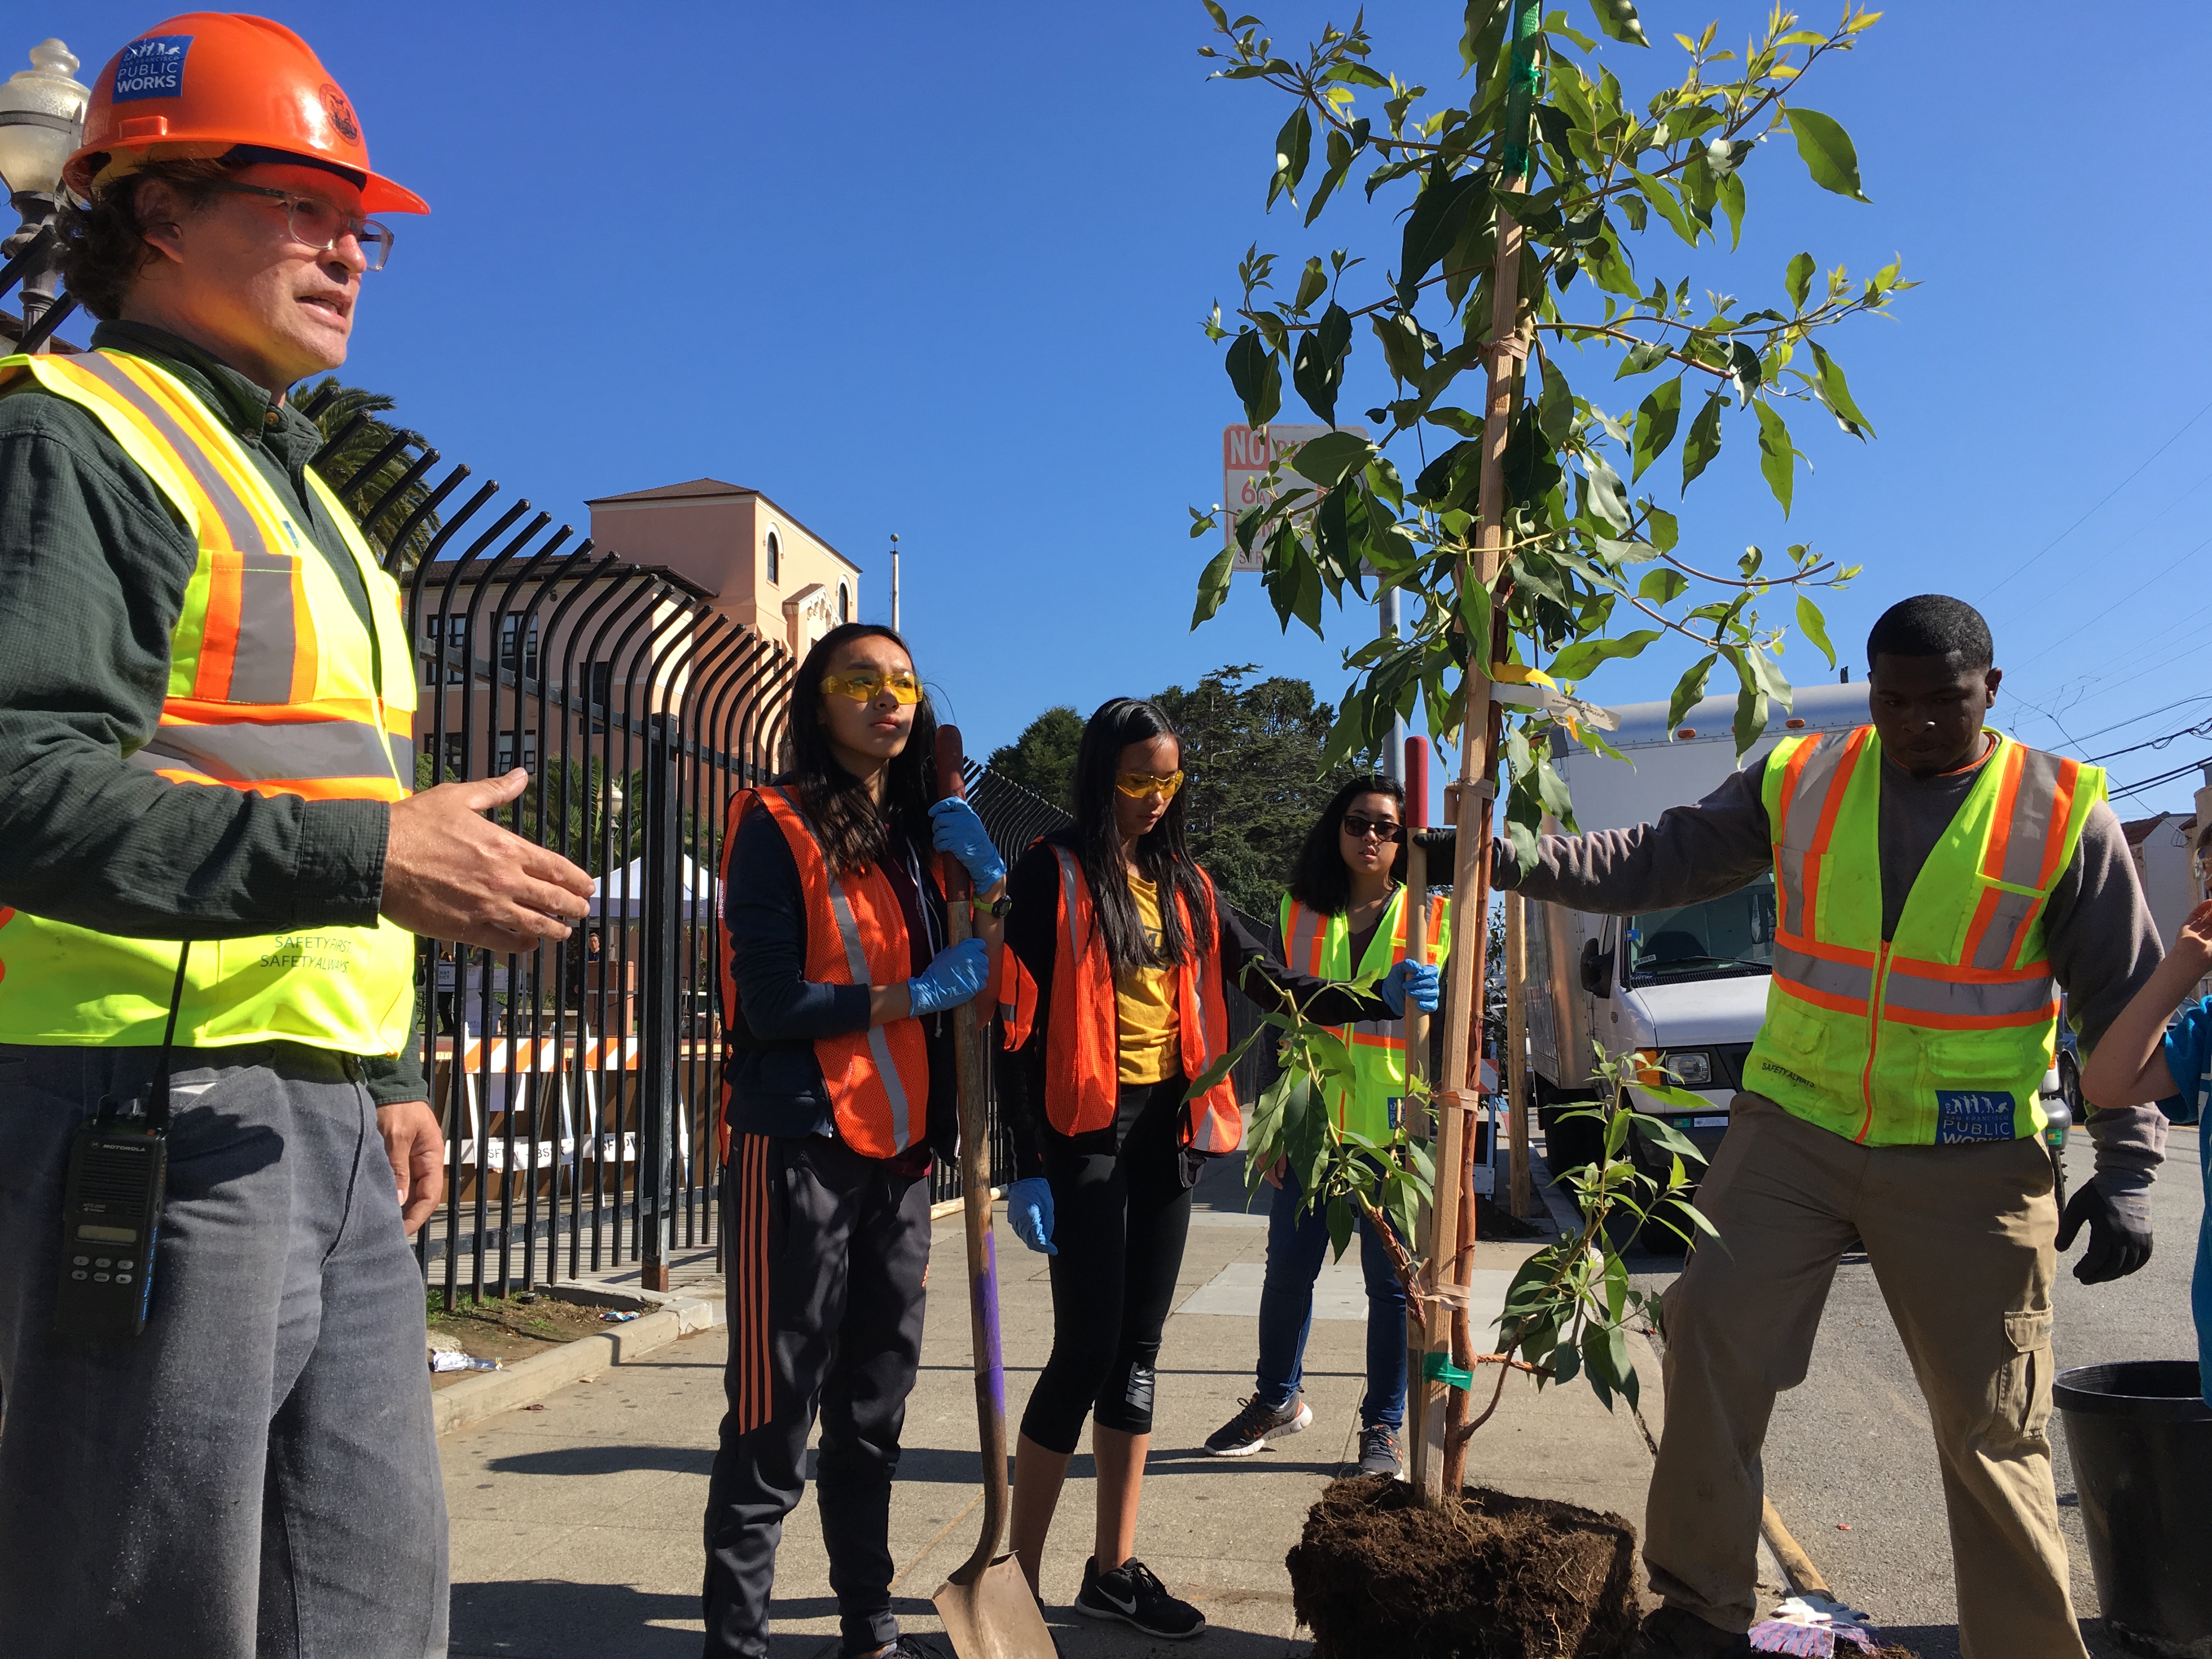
[334, 406]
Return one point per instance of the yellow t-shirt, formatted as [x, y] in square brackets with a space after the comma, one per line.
[1145, 1028]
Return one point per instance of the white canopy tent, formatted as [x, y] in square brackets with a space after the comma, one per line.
[622, 894]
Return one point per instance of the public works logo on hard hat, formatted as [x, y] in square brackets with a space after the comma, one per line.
[341, 113]
[152, 66]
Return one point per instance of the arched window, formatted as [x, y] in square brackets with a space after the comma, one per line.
[844, 603]
[774, 559]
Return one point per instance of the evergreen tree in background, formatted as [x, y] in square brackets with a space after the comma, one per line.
[366, 442]
[1042, 759]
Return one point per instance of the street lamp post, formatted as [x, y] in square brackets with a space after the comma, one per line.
[894, 597]
[41, 124]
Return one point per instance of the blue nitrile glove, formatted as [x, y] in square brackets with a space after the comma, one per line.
[955, 976]
[1028, 1213]
[955, 829]
[1415, 979]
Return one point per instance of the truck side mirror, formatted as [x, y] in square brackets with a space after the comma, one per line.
[1597, 970]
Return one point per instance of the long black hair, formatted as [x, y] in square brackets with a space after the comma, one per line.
[854, 834]
[1321, 880]
[1162, 856]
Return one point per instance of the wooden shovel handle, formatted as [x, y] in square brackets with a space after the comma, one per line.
[975, 1193]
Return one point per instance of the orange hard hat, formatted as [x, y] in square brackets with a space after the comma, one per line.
[207, 82]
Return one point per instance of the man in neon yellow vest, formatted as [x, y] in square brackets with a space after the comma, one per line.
[206, 694]
[1938, 886]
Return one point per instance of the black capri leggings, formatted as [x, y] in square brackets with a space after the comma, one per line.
[1120, 1219]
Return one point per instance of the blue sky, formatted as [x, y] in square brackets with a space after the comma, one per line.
[939, 271]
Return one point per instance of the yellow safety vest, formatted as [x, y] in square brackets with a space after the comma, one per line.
[1320, 945]
[275, 686]
[1942, 1034]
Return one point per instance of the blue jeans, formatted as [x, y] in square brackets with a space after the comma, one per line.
[1297, 1247]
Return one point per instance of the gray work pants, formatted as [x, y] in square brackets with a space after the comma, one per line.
[256, 1475]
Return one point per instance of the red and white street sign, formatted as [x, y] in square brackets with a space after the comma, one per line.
[1247, 454]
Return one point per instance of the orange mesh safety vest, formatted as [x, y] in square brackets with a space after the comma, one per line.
[276, 686]
[1083, 1085]
[877, 1079]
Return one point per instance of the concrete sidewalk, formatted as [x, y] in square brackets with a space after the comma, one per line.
[576, 1527]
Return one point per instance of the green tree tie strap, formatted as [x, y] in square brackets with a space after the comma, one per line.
[1438, 1368]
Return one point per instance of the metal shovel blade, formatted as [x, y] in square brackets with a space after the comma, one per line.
[995, 1616]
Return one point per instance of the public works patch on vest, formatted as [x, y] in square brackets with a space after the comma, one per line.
[1973, 1115]
[152, 67]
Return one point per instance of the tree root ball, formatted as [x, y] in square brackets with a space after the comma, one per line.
[1377, 1575]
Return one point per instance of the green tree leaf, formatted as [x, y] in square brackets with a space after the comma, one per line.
[1603, 492]
[1213, 586]
[1836, 394]
[1827, 152]
[1689, 691]
[1704, 441]
[1663, 586]
[1814, 626]
[1577, 660]
[1293, 146]
[1317, 370]
[1331, 458]
[1439, 214]
[1655, 422]
[1777, 457]
[1618, 20]
[1313, 282]
[1670, 209]
[1257, 376]
[1798, 279]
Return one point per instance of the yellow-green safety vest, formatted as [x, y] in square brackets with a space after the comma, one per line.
[275, 686]
[1942, 1034]
[1319, 946]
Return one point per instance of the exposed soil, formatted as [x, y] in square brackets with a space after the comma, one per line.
[506, 1330]
[1377, 1574]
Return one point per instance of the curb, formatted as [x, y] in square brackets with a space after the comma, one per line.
[475, 1398]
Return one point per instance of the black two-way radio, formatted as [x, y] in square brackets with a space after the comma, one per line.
[118, 1169]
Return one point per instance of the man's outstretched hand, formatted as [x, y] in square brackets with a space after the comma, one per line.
[451, 873]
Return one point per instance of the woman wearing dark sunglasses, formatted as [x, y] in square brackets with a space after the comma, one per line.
[839, 1080]
[1119, 953]
[1343, 917]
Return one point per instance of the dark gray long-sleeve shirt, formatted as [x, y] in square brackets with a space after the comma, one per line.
[93, 562]
[2102, 943]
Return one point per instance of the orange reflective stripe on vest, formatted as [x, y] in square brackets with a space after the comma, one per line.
[878, 1079]
[1082, 1090]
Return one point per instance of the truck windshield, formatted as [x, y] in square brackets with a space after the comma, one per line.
[1720, 938]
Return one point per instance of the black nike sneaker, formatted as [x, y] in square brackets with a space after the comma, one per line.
[1132, 1594]
[1248, 1430]
[1378, 1449]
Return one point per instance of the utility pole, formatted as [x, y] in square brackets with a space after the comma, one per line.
[1394, 752]
[895, 625]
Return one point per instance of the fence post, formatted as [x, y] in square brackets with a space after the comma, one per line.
[663, 858]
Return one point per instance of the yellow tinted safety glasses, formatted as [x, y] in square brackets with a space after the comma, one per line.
[1137, 785]
[865, 686]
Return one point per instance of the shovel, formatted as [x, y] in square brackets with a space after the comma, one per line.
[987, 1606]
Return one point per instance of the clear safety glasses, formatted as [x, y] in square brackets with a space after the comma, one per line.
[316, 224]
[1137, 785]
[866, 687]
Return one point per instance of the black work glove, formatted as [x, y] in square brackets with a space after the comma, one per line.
[2118, 1216]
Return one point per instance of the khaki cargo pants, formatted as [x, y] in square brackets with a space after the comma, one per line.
[1960, 1241]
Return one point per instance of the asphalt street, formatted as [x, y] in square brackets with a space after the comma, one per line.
[1849, 1462]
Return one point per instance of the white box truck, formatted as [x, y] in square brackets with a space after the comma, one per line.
[1687, 984]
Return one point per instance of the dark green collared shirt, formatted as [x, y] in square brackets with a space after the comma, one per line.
[93, 562]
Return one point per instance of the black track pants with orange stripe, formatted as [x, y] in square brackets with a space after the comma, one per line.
[825, 1252]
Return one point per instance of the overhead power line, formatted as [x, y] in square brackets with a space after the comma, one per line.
[2204, 730]
[2020, 568]
[2163, 777]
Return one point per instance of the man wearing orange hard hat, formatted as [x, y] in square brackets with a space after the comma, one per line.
[213, 1137]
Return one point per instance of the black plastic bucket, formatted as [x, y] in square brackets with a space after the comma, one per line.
[2141, 1436]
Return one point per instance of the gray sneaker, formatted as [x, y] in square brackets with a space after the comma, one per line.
[1378, 1449]
[1246, 1432]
